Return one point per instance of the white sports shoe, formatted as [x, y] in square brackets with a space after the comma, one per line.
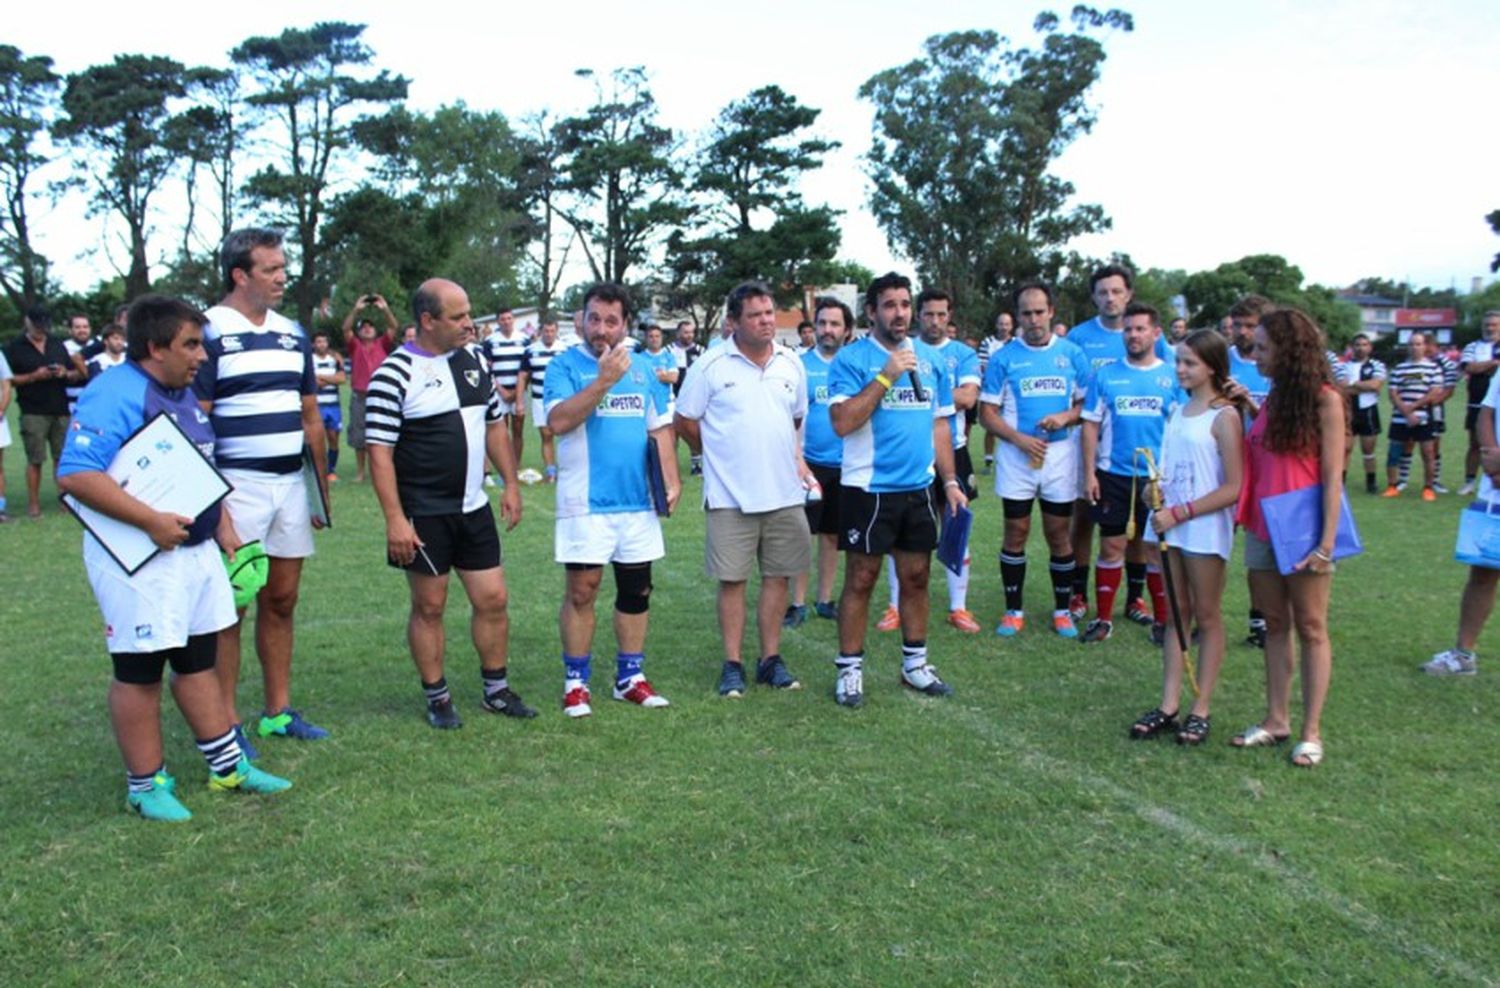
[1467, 488]
[849, 689]
[1451, 663]
[924, 679]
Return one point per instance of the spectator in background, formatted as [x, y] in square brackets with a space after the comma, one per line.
[504, 349]
[113, 353]
[1005, 328]
[806, 337]
[79, 344]
[1360, 378]
[533, 376]
[329, 371]
[367, 349]
[1448, 371]
[41, 368]
[1416, 384]
[1478, 364]
[1177, 331]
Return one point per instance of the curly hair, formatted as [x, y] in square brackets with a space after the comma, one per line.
[1299, 373]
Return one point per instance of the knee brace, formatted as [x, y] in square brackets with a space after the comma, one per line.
[632, 587]
[1393, 454]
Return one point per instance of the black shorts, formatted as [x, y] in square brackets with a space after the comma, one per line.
[1112, 511]
[467, 541]
[1366, 421]
[1471, 416]
[823, 515]
[1401, 432]
[875, 524]
[1013, 508]
[1439, 427]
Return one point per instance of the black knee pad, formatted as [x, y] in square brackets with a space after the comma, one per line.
[140, 668]
[197, 655]
[632, 587]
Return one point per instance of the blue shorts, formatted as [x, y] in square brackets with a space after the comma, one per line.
[333, 417]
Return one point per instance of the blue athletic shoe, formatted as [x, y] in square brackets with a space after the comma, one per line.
[160, 802]
[826, 609]
[795, 615]
[289, 724]
[732, 680]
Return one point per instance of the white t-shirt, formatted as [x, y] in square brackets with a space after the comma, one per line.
[1491, 407]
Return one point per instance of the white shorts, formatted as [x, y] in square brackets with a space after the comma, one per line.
[506, 407]
[537, 414]
[177, 594]
[5, 439]
[1056, 480]
[618, 537]
[274, 512]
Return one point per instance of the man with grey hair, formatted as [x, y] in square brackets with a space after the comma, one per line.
[260, 390]
[741, 406]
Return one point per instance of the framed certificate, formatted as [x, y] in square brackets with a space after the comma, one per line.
[162, 468]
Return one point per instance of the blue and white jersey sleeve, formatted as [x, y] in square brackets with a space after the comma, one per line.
[107, 415]
[820, 444]
[893, 450]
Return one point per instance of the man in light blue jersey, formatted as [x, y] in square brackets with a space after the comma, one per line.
[823, 452]
[1031, 398]
[1005, 331]
[259, 388]
[664, 360]
[1102, 339]
[604, 404]
[890, 402]
[961, 364]
[1248, 382]
[1126, 410]
[741, 407]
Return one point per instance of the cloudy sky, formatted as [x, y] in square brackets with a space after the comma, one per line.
[1354, 138]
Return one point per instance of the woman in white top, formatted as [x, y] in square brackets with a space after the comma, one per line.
[1201, 471]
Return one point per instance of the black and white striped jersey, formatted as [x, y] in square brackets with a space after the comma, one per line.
[504, 354]
[434, 411]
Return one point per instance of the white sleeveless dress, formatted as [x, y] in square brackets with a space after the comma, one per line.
[1190, 468]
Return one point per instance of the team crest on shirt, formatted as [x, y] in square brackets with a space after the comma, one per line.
[638, 377]
[286, 342]
[232, 344]
[472, 376]
[1164, 383]
[1061, 363]
[853, 534]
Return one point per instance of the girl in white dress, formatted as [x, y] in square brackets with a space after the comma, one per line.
[1201, 471]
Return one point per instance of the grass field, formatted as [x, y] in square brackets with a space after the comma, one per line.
[1010, 835]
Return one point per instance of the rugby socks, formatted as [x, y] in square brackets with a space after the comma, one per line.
[1065, 580]
[575, 670]
[1403, 470]
[848, 661]
[627, 667]
[494, 680]
[913, 655]
[142, 783]
[333, 461]
[1135, 581]
[221, 753]
[437, 692]
[1106, 585]
[958, 587]
[1013, 578]
[892, 581]
[1158, 588]
[1079, 579]
[1437, 465]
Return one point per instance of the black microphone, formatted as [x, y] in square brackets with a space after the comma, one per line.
[916, 385]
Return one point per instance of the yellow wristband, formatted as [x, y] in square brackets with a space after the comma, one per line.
[885, 381]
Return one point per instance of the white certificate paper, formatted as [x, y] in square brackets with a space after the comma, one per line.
[161, 467]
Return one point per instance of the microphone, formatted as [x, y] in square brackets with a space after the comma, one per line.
[916, 385]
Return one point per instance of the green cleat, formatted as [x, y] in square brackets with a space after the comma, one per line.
[247, 778]
[160, 802]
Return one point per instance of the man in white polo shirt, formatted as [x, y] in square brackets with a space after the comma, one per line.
[741, 405]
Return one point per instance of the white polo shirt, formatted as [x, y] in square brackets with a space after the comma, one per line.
[747, 416]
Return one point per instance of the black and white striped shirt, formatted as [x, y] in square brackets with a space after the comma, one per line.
[504, 354]
[434, 411]
[535, 362]
[1412, 379]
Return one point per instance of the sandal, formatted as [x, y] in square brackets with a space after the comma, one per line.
[1151, 723]
[1311, 750]
[1194, 730]
[1256, 736]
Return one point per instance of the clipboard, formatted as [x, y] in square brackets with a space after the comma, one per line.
[953, 544]
[317, 499]
[163, 468]
[656, 480]
[1294, 521]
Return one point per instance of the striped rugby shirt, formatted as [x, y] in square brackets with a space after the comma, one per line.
[504, 354]
[538, 355]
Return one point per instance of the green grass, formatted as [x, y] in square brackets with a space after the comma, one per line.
[1011, 835]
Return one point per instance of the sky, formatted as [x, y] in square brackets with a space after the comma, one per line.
[1353, 138]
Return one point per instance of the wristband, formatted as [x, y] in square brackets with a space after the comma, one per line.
[1320, 554]
[951, 482]
[1192, 512]
[884, 381]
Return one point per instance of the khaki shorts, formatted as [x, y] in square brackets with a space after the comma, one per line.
[40, 431]
[1258, 553]
[734, 541]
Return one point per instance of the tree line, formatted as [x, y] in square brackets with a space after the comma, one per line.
[306, 132]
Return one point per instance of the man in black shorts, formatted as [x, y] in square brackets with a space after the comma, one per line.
[1416, 385]
[431, 416]
[1361, 378]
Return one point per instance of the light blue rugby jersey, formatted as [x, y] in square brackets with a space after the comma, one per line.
[1101, 345]
[601, 465]
[820, 444]
[1244, 371]
[255, 376]
[1029, 383]
[962, 364]
[1131, 405]
[893, 450]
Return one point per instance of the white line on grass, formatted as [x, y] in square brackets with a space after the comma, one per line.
[1394, 936]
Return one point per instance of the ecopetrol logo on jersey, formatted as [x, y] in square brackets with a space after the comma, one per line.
[622, 406]
[904, 396]
[1146, 405]
[1044, 386]
[820, 395]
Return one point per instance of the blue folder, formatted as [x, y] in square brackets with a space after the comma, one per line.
[953, 545]
[656, 479]
[1294, 521]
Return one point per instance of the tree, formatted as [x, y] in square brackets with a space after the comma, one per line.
[1493, 219]
[28, 95]
[115, 117]
[748, 170]
[621, 175]
[963, 140]
[1210, 294]
[543, 187]
[304, 80]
